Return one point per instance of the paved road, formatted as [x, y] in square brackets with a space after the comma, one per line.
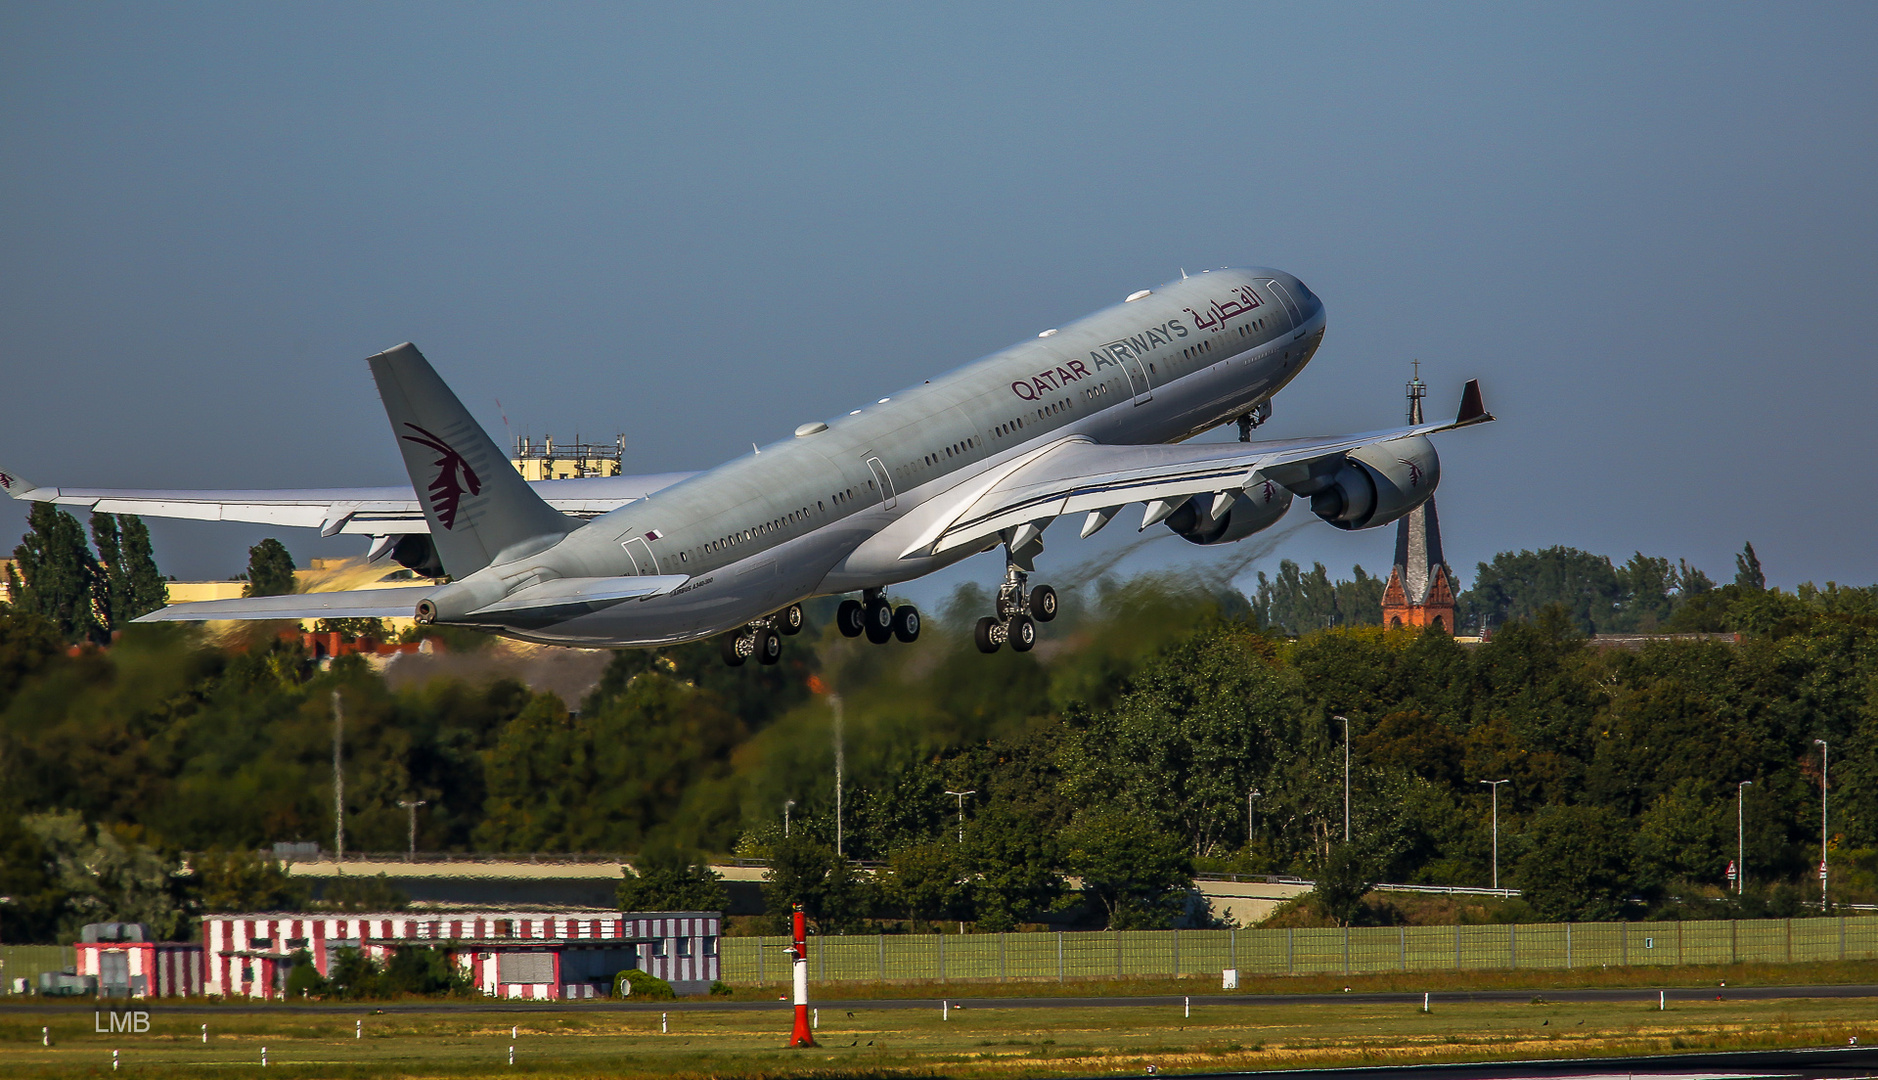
[1213, 1000]
[1822, 1064]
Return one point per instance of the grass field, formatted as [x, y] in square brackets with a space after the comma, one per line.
[980, 1040]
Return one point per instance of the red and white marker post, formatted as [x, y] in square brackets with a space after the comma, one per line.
[801, 1036]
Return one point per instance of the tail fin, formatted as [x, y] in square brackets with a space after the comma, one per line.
[475, 501]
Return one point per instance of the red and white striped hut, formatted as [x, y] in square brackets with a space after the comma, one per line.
[522, 954]
[127, 963]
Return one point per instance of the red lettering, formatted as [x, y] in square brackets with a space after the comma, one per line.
[1042, 387]
[1064, 376]
[1076, 366]
[1023, 390]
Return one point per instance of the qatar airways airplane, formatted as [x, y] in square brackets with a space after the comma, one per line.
[1080, 421]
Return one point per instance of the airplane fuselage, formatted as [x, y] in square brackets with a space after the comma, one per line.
[832, 509]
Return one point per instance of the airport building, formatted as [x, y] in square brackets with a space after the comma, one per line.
[533, 955]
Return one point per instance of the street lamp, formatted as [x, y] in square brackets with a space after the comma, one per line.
[1495, 785]
[1741, 839]
[961, 797]
[787, 804]
[1249, 819]
[412, 806]
[1346, 776]
[1824, 771]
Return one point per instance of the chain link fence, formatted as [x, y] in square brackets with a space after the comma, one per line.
[29, 961]
[1353, 951]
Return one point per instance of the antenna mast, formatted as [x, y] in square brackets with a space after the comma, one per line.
[1417, 389]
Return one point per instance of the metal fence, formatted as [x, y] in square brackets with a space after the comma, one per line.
[1353, 951]
[28, 961]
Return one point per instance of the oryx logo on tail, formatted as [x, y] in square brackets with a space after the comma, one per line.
[454, 476]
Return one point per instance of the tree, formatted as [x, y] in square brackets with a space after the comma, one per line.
[1346, 877]
[1748, 573]
[930, 881]
[242, 881]
[107, 875]
[270, 569]
[1520, 585]
[1577, 864]
[666, 877]
[129, 582]
[1140, 874]
[1013, 863]
[805, 871]
[56, 575]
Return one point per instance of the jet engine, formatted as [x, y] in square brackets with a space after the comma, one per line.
[416, 552]
[1375, 484]
[1249, 512]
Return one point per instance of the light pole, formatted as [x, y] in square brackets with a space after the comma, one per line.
[1495, 785]
[841, 761]
[960, 795]
[1346, 776]
[412, 805]
[787, 803]
[1824, 772]
[1741, 838]
[1250, 821]
[339, 781]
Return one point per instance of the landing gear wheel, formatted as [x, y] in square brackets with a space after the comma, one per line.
[768, 646]
[736, 648]
[879, 621]
[851, 618]
[906, 623]
[1022, 632]
[988, 635]
[789, 620]
[1043, 603]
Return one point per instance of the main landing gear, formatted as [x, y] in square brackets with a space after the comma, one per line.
[879, 620]
[1019, 612]
[762, 638]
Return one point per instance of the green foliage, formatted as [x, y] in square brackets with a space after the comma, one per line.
[363, 892]
[1577, 864]
[374, 629]
[411, 971]
[1298, 603]
[107, 875]
[1597, 596]
[1140, 874]
[55, 576]
[270, 569]
[666, 877]
[636, 984]
[234, 881]
[1342, 882]
[128, 580]
[1748, 573]
[803, 870]
[303, 977]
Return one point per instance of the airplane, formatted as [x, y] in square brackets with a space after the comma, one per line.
[1083, 420]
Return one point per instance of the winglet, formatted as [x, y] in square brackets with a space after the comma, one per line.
[1473, 411]
[16, 485]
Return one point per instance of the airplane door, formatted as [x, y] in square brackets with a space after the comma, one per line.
[1138, 380]
[887, 496]
[1291, 306]
[644, 562]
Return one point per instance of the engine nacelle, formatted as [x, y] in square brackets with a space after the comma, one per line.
[417, 552]
[1250, 512]
[1378, 483]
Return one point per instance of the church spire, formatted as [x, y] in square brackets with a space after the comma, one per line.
[1421, 587]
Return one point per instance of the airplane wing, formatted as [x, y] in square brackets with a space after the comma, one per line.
[371, 511]
[1079, 476]
[549, 598]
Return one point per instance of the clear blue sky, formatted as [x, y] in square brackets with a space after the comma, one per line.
[1648, 229]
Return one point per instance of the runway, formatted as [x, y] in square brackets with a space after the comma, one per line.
[1831, 1063]
[1670, 995]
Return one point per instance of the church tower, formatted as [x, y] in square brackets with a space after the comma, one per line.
[1421, 587]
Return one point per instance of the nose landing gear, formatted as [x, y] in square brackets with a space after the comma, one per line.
[1019, 612]
[880, 621]
[761, 639]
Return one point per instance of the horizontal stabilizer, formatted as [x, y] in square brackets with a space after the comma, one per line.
[580, 592]
[356, 604]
